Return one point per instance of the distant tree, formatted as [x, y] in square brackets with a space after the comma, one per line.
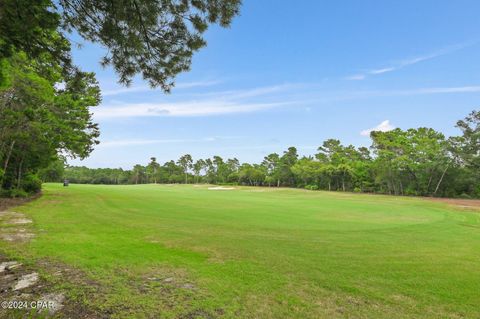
[469, 146]
[186, 163]
[197, 168]
[210, 171]
[271, 163]
[220, 169]
[138, 173]
[288, 159]
[252, 175]
[53, 172]
[308, 171]
[152, 168]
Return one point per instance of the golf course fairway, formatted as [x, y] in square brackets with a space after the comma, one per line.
[195, 251]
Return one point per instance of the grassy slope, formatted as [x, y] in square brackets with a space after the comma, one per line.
[263, 253]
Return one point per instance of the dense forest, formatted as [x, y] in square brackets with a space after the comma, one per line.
[45, 99]
[419, 162]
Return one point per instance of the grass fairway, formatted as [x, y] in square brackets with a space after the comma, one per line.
[190, 252]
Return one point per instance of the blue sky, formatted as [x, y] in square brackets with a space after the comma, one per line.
[294, 74]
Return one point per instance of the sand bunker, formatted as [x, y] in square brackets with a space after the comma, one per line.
[221, 188]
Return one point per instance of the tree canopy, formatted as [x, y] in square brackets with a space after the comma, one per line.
[155, 39]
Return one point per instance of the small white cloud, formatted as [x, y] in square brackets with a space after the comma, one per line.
[384, 70]
[385, 126]
[356, 77]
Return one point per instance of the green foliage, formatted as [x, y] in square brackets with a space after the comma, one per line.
[40, 120]
[31, 183]
[14, 193]
[54, 172]
[147, 37]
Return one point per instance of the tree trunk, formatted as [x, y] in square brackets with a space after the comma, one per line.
[430, 181]
[19, 177]
[5, 165]
[440, 181]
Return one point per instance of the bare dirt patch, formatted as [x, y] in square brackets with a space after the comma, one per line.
[465, 204]
[39, 284]
[19, 221]
[17, 236]
[12, 227]
[6, 203]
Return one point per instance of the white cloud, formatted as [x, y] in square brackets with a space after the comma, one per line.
[411, 61]
[356, 77]
[188, 85]
[385, 126]
[384, 70]
[209, 104]
[192, 108]
[146, 88]
[460, 89]
[256, 99]
[133, 142]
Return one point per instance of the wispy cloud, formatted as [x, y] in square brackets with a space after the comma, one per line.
[356, 77]
[146, 88]
[204, 108]
[408, 62]
[366, 94]
[134, 142]
[420, 91]
[229, 102]
[257, 99]
[188, 85]
[385, 126]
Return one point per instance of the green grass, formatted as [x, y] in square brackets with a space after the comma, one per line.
[261, 253]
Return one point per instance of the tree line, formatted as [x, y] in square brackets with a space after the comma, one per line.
[420, 162]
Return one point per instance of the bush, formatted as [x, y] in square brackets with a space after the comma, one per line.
[13, 193]
[311, 187]
[357, 190]
[464, 196]
[31, 184]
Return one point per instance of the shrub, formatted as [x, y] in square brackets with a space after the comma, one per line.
[357, 190]
[31, 184]
[13, 193]
[312, 187]
[464, 196]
